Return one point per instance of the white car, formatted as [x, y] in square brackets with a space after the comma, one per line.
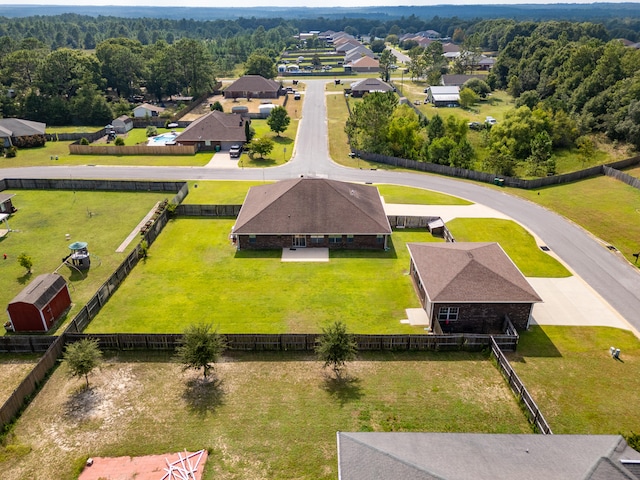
[490, 120]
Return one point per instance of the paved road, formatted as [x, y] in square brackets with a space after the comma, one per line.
[608, 274]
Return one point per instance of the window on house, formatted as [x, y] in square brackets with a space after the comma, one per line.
[335, 238]
[448, 314]
[349, 238]
[317, 238]
[380, 238]
[252, 239]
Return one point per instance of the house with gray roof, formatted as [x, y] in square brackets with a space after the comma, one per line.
[312, 212]
[464, 456]
[145, 110]
[455, 80]
[357, 53]
[470, 287]
[369, 85]
[215, 129]
[14, 129]
[443, 96]
[253, 86]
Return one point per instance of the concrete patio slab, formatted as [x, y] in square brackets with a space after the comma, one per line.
[416, 317]
[571, 302]
[305, 255]
[446, 212]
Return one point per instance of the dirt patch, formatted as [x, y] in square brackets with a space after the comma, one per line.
[227, 104]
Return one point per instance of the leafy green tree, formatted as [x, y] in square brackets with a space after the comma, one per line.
[316, 62]
[262, 146]
[195, 66]
[377, 46]
[479, 86]
[82, 358]
[541, 147]
[336, 347]
[586, 149]
[200, 348]
[385, 61]
[122, 64]
[64, 71]
[468, 98]
[462, 155]
[121, 107]
[217, 106]
[436, 128]
[261, 65]
[455, 128]
[404, 134]
[369, 120]
[278, 120]
[26, 262]
[89, 107]
[440, 149]
[152, 131]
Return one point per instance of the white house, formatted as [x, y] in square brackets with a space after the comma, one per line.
[147, 110]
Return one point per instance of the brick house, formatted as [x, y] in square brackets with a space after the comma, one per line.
[369, 85]
[312, 212]
[469, 287]
[253, 86]
[215, 129]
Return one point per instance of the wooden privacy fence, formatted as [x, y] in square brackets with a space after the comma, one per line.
[29, 385]
[208, 210]
[102, 185]
[304, 342]
[524, 397]
[77, 149]
[25, 343]
[621, 176]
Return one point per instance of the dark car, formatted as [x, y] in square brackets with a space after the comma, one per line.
[475, 126]
[235, 151]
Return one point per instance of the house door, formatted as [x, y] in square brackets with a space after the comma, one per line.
[299, 241]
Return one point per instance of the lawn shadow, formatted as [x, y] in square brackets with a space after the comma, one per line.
[534, 343]
[203, 396]
[344, 389]
[82, 403]
[25, 278]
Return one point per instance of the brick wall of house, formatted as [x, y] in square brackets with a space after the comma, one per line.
[484, 317]
[263, 242]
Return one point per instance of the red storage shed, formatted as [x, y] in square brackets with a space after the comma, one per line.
[40, 304]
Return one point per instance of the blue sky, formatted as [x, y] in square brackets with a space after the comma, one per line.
[285, 3]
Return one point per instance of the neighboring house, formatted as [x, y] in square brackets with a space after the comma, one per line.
[479, 456]
[13, 129]
[6, 206]
[443, 96]
[40, 304]
[356, 53]
[450, 48]
[363, 64]
[459, 80]
[312, 212]
[369, 85]
[147, 110]
[122, 124]
[215, 129]
[469, 287]
[486, 63]
[253, 86]
[346, 44]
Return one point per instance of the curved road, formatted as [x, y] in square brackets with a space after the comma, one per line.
[608, 274]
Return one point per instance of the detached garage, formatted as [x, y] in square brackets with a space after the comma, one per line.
[40, 304]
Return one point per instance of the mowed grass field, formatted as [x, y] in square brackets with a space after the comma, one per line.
[517, 242]
[195, 275]
[103, 219]
[575, 382]
[606, 207]
[266, 416]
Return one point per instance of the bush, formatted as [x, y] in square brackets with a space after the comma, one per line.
[11, 152]
[119, 142]
[84, 141]
[152, 131]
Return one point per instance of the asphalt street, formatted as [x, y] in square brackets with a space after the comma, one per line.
[605, 271]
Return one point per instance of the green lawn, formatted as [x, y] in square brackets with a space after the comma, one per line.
[409, 195]
[45, 217]
[606, 207]
[267, 416]
[514, 240]
[575, 382]
[194, 274]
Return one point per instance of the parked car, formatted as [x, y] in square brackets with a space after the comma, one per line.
[475, 126]
[490, 120]
[235, 151]
[296, 96]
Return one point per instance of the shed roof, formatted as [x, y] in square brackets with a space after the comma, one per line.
[6, 196]
[458, 456]
[253, 83]
[215, 126]
[41, 290]
[470, 272]
[312, 206]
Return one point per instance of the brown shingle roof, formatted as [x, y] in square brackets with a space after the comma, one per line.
[215, 126]
[41, 290]
[312, 206]
[253, 83]
[470, 272]
[371, 85]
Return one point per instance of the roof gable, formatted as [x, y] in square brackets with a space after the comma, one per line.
[41, 290]
[253, 83]
[312, 206]
[216, 126]
[469, 272]
[151, 108]
[365, 62]
[371, 84]
[17, 127]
